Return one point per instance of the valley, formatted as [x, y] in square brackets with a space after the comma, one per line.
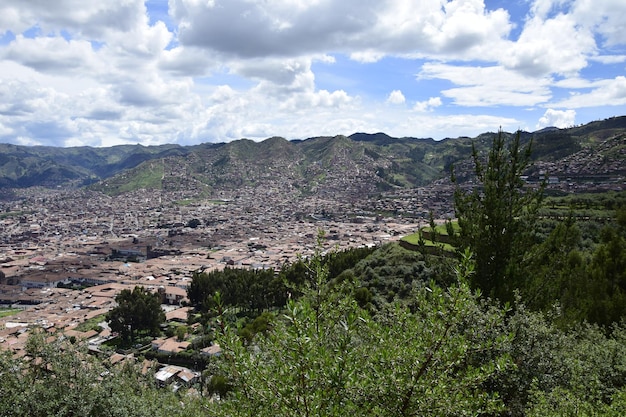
[67, 251]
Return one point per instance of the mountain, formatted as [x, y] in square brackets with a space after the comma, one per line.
[27, 166]
[346, 166]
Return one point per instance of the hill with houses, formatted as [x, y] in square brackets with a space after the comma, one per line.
[344, 166]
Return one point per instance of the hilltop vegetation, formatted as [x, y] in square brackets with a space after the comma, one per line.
[28, 166]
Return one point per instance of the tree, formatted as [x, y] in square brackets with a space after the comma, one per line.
[193, 223]
[496, 218]
[556, 269]
[326, 356]
[606, 277]
[58, 378]
[137, 310]
[181, 333]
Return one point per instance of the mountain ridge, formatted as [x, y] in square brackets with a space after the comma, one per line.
[362, 161]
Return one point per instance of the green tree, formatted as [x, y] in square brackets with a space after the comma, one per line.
[181, 333]
[137, 311]
[589, 285]
[57, 378]
[193, 223]
[606, 298]
[554, 268]
[329, 357]
[250, 290]
[584, 374]
[497, 217]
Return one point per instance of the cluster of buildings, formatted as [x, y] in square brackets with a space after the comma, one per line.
[66, 254]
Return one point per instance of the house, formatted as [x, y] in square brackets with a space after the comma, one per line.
[179, 315]
[178, 375]
[127, 255]
[213, 350]
[119, 358]
[40, 280]
[170, 345]
[173, 295]
[166, 374]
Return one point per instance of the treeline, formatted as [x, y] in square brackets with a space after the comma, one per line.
[499, 222]
[251, 292]
[587, 279]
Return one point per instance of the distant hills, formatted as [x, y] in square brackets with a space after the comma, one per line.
[360, 163]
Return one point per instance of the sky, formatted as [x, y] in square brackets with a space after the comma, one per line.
[104, 73]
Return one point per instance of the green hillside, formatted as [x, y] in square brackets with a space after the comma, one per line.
[378, 160]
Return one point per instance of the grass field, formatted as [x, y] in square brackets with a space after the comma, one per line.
[441, 230]
[415, 237]
[9, 312]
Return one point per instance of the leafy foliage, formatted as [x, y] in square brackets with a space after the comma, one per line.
[392, 273]
[249, 290]
[137, 310]
[581, 371]
[61, 379]
[327, 356]
[443, 350]
[587, 280]
[253, 291]
[496, 218]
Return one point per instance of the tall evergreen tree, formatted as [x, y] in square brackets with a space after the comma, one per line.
[497, 217]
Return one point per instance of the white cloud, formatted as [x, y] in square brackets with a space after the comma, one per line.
[451, 126]
[575, 82]
[605, 93]
[608, 59]
[222, 94]
[89, 18]
[35, 113]
[92, 37]
[16, 73]
[307, 101]
[556, 45]
[467, 25]
[488, 86]
[5, 131]
[150, 92]
[366, 30]
[557, 118]
[54, 110]
[367, 56]
[428, 105]
[188, 62]
[275, 70]
[562, 36]
[253, 29]
[607, 17]
[543, 8]
[52, 55]
[396, 97]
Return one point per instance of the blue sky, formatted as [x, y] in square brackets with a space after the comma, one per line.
[102, 73]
